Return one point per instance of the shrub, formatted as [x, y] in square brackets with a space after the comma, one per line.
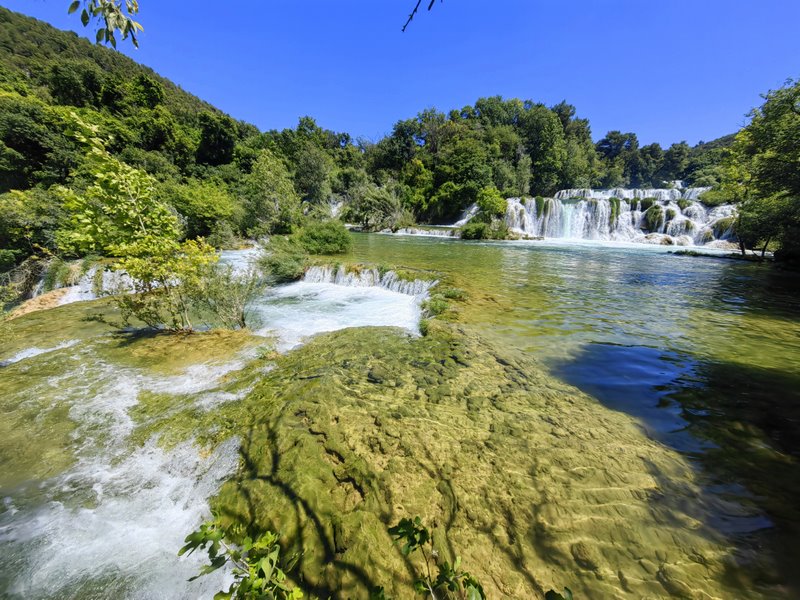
[654, 217]
[721, 226]
[225, 296]
[475, 231]
[284, 261]
[615, 203]
[646, 203]
[222, 236]
[8, 258]
[327, 237]
[492, 202]
[435, 305]
[453, 293]
[539, 206]
[57, 275]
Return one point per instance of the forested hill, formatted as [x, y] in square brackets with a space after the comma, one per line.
[225, 178]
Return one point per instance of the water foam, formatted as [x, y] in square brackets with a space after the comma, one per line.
[112, 524]
[34, 351]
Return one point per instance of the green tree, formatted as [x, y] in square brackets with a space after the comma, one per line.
[217, 139]
[120, 215]
[491, 202]
[204, 205]
[271, 204]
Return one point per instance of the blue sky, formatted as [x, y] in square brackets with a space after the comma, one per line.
[668, 70]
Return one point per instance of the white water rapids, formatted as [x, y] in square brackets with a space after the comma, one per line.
[676, 218]
[110, 526]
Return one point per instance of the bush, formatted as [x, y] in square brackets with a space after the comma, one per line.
[284, 261]
[491, 202]
[654, 217]
[327, 237]
[615, 204]
[8, 258]
[225, 295]
[475, 231]
[646, 203]
[223, 237]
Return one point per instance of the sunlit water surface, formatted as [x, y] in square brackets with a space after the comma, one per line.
[703, 352]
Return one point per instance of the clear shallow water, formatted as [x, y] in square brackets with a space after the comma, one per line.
[703, 352]
[107, 518]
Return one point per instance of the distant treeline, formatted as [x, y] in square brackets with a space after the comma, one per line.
[228, 179]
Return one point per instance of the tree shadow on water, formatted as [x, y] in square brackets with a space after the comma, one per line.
[739, 427]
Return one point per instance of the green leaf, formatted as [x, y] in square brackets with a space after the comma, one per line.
[100, 35]
[73, 7]
[85, 17]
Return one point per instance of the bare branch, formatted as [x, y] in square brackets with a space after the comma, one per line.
[414, 12]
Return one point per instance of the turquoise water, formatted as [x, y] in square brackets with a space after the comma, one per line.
[704, 352]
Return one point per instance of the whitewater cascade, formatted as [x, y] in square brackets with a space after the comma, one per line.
[655, 216]
[368, 277]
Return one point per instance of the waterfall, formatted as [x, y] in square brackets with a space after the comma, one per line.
[368, 277]
[470, 212]
[660, 216]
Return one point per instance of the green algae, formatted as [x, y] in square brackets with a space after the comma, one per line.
[533, 483]
[364, 426]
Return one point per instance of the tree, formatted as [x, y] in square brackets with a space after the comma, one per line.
[491, 202]
[120, 215]
[312, 172]
[271, 204]
[217, 139]
[204, 205]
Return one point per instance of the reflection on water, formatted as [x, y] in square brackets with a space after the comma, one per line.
[704, 352]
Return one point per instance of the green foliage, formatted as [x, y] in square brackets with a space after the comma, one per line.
[223, 236]
[539, 206]
[283, 261]
[414, 536]
[646, 203]
[56, 275]
[114, 15]
[204, 205]
[453, 293]
[615, 204]
[492, 202]
[475, 231]
[217, 139]
[271, 204]
[435, 305]
[654, 217]
[225, 296]
[376, 208]
[759, 171]
[327, 237]
[119, 215]
[258, 570]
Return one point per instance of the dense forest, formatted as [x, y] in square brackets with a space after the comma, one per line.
[226, 179]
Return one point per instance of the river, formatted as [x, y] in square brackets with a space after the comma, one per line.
[699, 355]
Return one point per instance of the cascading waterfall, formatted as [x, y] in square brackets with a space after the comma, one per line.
[656, 216]
[368, 277]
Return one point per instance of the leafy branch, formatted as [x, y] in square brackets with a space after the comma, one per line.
[256, 564]
[449, 578]
[115, 16]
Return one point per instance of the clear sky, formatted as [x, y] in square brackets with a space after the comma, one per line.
[668, 70]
